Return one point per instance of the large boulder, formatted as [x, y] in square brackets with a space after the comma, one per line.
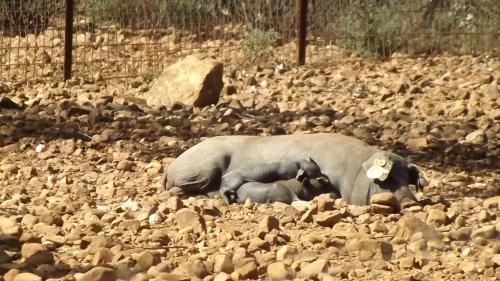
[194, 80]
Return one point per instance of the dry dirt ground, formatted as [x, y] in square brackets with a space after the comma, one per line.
[80, 165]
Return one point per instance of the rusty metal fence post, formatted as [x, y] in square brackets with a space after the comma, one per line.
[302, 31]
[68, 39]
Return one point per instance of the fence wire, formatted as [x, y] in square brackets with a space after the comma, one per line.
[393, 28]
[127, 38]
[31, 39]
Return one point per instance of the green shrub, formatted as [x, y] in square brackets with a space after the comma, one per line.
[375, 31]
[258, 45]
[372, 28]
[378, 28]
[20, 17]
[185, 14]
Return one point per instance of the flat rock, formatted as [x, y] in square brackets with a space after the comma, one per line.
[56, 239]
[468, 267]
[496, 259]
[26, 276]
[409, 225]
[301, 206]
[476, 137]
[175, 203]
[125, 165]
[144, 260]
[278, 271]
[286, 252]
[97, 242]
[198, 269]
[187, 269]
[461, 234]
[30, 249]
[188, 218]
[36, 254]
[492, 91]
[407, 262]
[370, 248]
[222, 276]
[29, 172]
[378, 226]
[436, 217]
[248, 270]
[492, 202]
[172, 277]
[223, 263]
[485, 232]
[417, 144]
[307, 217]
[99, 274]
[484, 216]
[9, 275]
[385, 198]
[241, 256]
[266, 225]
[163, 267]
[328, 218]
[357, 211]
[325, 202]
[310, 270]
[9, 168]
[382, 209]
[257, 244]
[102, 256]
[9, 227]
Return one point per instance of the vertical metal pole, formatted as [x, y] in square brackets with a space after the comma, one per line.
[68, 39]
[302, 31]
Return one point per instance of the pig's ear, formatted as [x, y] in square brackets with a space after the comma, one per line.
[312, 161]
[377, 167]
[301, 175]
[416, 177]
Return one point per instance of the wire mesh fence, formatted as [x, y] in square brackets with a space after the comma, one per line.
[391, 28]
[124, 38]
[31, 39]
[127, 38]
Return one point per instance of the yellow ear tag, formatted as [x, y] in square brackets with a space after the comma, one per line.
[380, 169]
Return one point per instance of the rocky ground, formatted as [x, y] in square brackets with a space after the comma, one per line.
[80, 164]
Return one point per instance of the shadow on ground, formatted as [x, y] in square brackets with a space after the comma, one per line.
[168, 132]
